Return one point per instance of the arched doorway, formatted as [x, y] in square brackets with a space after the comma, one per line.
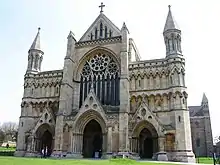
[44, 139]
[46, 142]
[146, 144]
[92, 140]
[144, 140]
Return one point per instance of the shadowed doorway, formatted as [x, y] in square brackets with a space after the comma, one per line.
[92, 139]
[44, 139]
[146, 144]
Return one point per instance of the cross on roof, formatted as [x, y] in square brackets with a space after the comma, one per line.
[101, 6]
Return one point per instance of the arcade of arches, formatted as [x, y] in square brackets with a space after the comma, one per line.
[92, 141]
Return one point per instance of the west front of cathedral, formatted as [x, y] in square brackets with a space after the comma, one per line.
[106, 100]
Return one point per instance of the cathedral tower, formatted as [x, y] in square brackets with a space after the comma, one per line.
[35, 55]
[172, 37]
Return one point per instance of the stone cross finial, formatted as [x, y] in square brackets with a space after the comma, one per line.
[101, 6]
[169, 6]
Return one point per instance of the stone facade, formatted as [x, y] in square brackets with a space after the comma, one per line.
[201, 129]
[106, 99]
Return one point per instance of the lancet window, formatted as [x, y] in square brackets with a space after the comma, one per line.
[102, 71]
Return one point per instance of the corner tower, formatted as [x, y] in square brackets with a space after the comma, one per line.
[178, 99]
[35, 55]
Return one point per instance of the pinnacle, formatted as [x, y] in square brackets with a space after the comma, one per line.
[204, 98]
[124, 27]
[170, 22]
[36, 43]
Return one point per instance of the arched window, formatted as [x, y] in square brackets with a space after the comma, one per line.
[57, 90]
[106, 32]
[139, 83]
[102, 71]
[96, 33]
[110, 33]
[101, 29]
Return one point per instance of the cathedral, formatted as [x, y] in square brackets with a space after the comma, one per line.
[106, 101]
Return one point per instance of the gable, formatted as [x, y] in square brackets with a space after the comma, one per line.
[101, 28]
[46, 118]
[91, 103]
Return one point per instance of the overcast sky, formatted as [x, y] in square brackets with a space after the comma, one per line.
[198, 20]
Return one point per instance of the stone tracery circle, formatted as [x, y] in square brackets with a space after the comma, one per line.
[99, 62]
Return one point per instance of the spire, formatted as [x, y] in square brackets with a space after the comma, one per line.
[71, 34]
[36, 43]
[170, 22]
[35, 55]
[204, 98]
[124, 27]
[172, 37]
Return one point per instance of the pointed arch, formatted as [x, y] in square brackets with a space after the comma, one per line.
[86, 117]
[91, 53]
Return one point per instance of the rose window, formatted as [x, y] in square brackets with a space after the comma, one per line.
[99, 62]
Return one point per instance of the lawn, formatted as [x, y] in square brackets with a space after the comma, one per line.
[38, 161]
[7, 149]
[204, 160]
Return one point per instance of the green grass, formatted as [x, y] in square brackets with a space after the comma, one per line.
[39, 161]
[204, 160]
[7, 149]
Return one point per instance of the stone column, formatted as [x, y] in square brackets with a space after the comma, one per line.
[109, 140]
[58, 136]
[161, 143]
[131, 145]
[74, 143]
[33, 144]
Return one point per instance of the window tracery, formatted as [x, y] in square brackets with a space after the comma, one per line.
[100, 64]
[101, 70]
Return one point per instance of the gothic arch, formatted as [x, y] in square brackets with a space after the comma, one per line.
[42, 128]
[90, 54]
[100, 69]
[144, 124]
[86, 117]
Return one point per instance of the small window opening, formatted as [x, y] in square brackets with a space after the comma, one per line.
[179, 118]
[198, 142]
[57, 90]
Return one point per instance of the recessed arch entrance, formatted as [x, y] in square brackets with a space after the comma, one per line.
[44, 139]
[145, 140]
[92, 140]
[146, 144]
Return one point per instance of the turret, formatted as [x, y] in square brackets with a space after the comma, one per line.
[205, 104]
[172, 36]
[35, 55]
